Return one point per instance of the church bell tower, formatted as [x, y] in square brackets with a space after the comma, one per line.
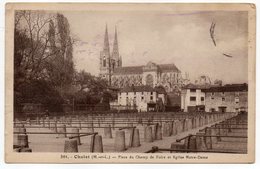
[105, 64]
[108, 62]
[116, 59]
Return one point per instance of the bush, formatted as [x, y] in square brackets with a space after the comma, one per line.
[39, 92]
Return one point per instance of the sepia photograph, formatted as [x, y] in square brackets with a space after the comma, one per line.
[135, 83]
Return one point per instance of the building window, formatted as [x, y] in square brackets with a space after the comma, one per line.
[192, 90]
[104, 61]
[126, 93]
[113, 65]
[134, 93]
[149, 80]
[212, 98]
[202, 99]
[134, 101]
[151, 98]
[142, 98]
[223, 93]
[142, 93]
[223, 99]
[236, 100]
[151, 93]
[192, 98]
[212, 94]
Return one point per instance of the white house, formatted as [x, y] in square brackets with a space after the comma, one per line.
[142, 98]
[192, 98]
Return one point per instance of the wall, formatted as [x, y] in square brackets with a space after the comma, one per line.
[229, 102]
[139, 102]
[155, 77]
[185, 98]
[166, 79]
[121, 81]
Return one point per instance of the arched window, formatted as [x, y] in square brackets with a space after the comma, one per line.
[149, 80]
[165, 78]
[104, 61]
[113, 64]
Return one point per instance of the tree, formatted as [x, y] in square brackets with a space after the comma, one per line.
[61, 67]
[33, 25]
[39, 91]
[20, 47]
[95, 87]
[43, 54]
[48, 53]
[218, 82]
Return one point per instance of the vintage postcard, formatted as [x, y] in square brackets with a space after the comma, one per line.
[130, 83]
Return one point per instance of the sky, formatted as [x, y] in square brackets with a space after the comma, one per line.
[182, 38]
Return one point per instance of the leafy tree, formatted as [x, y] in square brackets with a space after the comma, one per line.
[218, 82]
[43, 58]
[39, 91]
[94, 88]
[61, 68]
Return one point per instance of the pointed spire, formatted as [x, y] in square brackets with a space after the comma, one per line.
[115, 53]
[106, 42]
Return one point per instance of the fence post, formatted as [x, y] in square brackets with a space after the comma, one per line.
[107, 131]
[148, 136]
[134, 138]
[76, 134]
[96, 145]
[120, 141]
[23, 140]
[71, 146]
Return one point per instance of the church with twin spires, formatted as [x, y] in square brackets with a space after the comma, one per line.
[151, 74]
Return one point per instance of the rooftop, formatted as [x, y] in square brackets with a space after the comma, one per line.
[228, 88]
[168, 67]
[139, 69]
[195, 86]
[129, 70]
[143, 88]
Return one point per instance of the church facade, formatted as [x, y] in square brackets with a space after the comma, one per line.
[151, 74]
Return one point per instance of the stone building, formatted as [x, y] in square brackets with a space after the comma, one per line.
[227, 98]
[142, 98]
[151, 74]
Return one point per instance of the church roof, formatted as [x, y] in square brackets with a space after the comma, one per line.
[139, 69]
[129, 70]
[168, 68]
